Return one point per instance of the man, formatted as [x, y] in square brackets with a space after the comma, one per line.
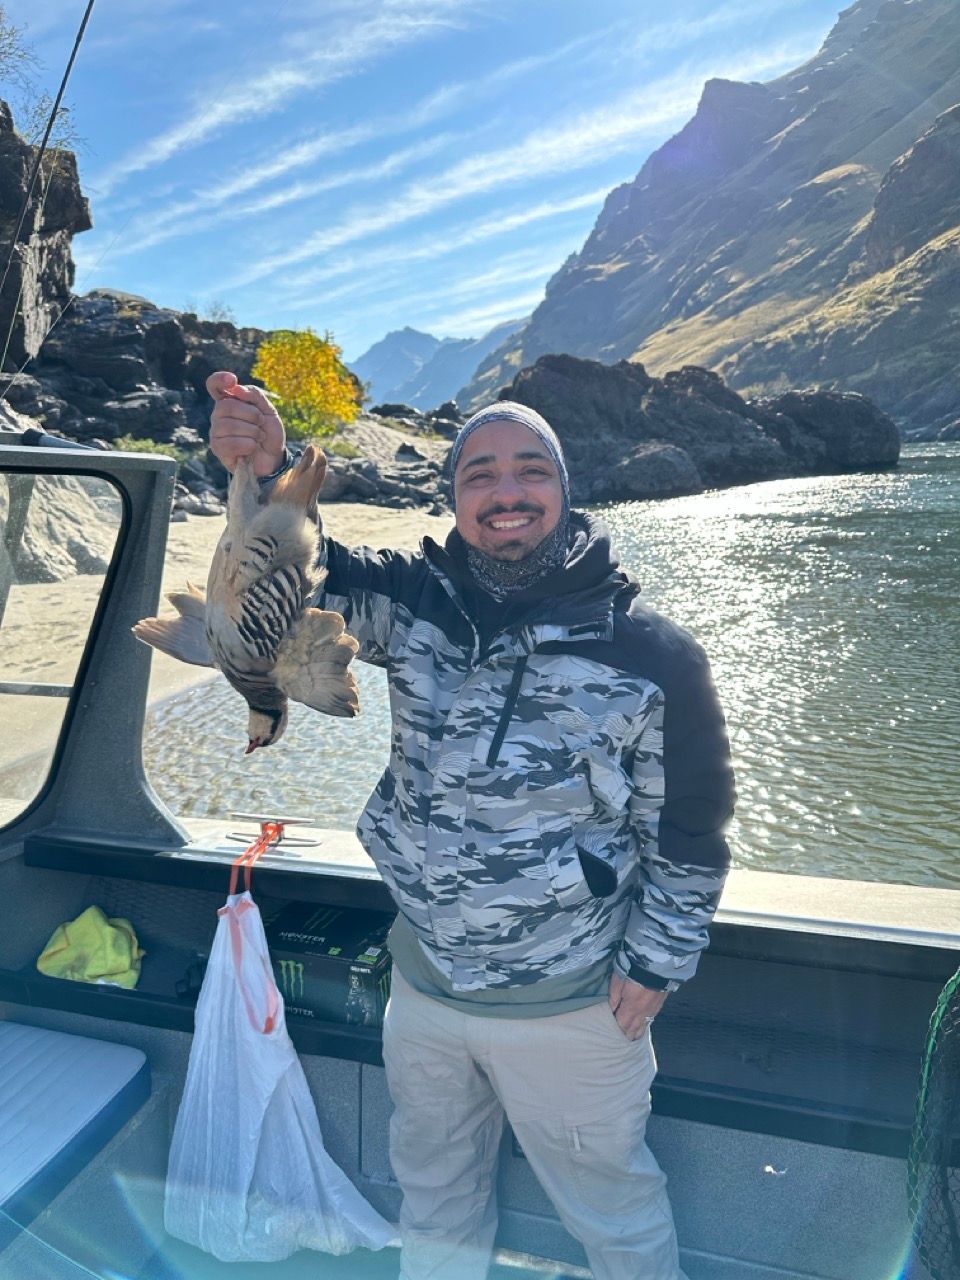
[550, 827]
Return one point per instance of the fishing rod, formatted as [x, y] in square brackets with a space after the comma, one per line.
[284, 4]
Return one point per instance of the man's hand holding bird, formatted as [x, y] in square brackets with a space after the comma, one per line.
[244, 424]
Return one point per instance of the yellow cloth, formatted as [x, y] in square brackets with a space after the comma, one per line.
[93, 949]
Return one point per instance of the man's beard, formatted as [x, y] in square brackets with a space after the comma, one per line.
[515, 549]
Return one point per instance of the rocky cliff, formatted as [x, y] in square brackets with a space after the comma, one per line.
[117, 364]
[629, 435]
[801, 231]
[39, 282]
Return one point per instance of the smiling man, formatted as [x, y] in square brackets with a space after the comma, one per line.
[550, 826]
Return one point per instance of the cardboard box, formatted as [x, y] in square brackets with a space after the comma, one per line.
[330, 963]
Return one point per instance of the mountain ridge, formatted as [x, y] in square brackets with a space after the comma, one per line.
[408, 366]
[757, 212]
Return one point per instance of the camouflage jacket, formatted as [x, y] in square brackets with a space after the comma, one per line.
[556, 798]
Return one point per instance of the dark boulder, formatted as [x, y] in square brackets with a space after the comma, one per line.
[855, 434]
[651, 470]
[396, 411]
[154, 414]
[627, 434]
[449, 411]
[117, 364]
[602, 413]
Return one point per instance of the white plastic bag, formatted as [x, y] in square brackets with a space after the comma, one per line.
[249, 1178]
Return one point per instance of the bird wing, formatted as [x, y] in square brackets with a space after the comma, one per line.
[312, 664]
[183, 637]
[262, 617]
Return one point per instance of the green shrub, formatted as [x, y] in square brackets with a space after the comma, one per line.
[134, 444]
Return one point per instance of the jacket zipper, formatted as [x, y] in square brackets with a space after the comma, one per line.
[513, 694]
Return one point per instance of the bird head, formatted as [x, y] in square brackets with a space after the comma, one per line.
[264, 728]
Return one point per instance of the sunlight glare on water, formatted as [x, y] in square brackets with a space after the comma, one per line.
[829, 609]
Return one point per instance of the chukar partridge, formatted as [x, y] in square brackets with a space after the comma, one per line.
[253, 622]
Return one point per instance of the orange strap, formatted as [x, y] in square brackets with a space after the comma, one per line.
[270, 832]
[236, 943]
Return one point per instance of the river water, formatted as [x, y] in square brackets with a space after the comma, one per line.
[830, 608]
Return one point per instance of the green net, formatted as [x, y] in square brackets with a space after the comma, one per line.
[933, 1173]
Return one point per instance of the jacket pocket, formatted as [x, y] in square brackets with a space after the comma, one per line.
[562, 856]
[600, 876]
[609, 783]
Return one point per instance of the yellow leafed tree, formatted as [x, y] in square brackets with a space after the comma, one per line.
[314, 390]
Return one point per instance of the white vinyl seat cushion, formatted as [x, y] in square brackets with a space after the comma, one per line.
[62, 1098]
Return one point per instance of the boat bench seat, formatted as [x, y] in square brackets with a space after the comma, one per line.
[62, 1098]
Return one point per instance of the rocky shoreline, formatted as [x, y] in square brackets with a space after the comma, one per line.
[118, 366]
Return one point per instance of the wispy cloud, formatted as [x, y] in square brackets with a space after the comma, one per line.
[678, 33]
[245, 96]
[47, 16]
[508, 271]
[185, 216]
[471, 321]
[453, 96]
[212, 209]
[429, 248]
[577, 143]
[547, 152]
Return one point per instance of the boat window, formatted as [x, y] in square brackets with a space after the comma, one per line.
[57, 535]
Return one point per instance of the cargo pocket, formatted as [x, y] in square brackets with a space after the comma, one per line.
[566, 873]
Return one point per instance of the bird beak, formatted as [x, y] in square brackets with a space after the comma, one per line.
[251, 746]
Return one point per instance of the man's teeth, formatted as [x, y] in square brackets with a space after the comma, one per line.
[511, 524]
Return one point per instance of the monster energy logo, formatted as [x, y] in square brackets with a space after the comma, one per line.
[291, 977]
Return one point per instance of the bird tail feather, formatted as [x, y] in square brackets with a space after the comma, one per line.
[312, 665]
[191, 603]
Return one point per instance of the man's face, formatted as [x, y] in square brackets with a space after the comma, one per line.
[508, 490]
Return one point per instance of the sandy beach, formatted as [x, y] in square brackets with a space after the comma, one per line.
[45, 626]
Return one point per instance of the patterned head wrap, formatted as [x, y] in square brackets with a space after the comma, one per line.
[503, 578]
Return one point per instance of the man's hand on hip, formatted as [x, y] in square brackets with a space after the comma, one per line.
[634, 1006]
[244, 424]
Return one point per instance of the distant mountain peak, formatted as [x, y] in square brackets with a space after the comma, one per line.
[410, 367]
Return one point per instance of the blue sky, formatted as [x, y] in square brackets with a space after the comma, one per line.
[361, 165]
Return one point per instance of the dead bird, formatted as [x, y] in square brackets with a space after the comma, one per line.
[253, 622]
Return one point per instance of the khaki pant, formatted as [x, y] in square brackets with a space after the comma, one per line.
[577, 1094]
